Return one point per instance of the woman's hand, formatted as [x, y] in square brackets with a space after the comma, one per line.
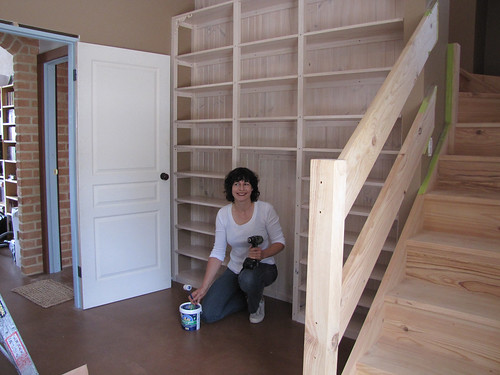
[259, 254]
[213, 266]
[256, 253]
[196, 296]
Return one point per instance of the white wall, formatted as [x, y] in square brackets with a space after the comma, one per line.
[6, 68]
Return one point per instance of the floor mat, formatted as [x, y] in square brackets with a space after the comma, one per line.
[45, 293]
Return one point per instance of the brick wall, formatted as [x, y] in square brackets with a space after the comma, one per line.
[24, 53]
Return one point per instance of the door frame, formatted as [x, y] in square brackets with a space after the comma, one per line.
[47, 132]
[70, 41]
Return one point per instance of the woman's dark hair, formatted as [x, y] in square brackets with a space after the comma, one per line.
[241, 174]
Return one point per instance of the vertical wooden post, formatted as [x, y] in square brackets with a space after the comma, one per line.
[324, 266]
[452, 89]
[236, 125]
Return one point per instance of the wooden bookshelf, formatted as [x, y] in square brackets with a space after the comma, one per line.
[271, 85]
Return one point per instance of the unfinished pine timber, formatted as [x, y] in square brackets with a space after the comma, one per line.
[326, 229]
[360, 155]
[272, 85]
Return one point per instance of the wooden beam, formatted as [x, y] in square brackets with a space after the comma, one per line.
[452, 87]
[324, 266]
[367, 141]
[366, 250]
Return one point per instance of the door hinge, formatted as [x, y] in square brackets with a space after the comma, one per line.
[74, 75]
[80, 272]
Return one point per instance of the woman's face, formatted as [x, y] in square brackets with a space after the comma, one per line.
[242, 191]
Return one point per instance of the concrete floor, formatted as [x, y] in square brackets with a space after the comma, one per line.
[143, 335]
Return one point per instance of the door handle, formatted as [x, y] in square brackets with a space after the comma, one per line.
[164, 176]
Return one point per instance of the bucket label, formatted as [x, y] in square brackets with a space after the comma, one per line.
[189, 321]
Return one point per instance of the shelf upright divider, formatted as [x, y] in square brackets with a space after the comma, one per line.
[236, 83]
[299, 185]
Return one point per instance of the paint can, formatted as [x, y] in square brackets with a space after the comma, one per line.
[190, 316]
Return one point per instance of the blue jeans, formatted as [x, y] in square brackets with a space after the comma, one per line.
[231, 292]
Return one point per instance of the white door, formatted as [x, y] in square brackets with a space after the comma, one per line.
[122, 145]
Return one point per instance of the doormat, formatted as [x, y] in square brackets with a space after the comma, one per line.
[45, 293]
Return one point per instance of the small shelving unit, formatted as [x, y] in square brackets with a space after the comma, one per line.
[8, 177]
[271, 85]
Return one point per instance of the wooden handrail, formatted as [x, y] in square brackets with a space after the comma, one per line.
[330, 302]
[364, 146]
[368, 246]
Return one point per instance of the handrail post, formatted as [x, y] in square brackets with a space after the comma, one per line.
[324, 267]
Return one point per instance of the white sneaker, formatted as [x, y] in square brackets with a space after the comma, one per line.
[259, 315]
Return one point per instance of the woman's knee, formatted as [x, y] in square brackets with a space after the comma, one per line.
[248, 280]
[209, 317]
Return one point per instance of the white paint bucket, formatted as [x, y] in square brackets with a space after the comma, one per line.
[190, 316]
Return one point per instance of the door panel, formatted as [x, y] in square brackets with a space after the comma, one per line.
[123, 147]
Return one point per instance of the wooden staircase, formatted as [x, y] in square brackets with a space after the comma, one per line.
[442, 315]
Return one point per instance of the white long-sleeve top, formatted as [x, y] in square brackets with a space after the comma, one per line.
[264, 222]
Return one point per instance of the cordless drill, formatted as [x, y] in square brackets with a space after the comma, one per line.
[250, 263]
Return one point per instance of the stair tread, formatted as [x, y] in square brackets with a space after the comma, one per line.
[469, 244]
[489, 197]
[467, 191]
[477, 124]
[479, 95]
[478, 307]
[367, 297]
[389, 356]
[474, 158]
[354, 325]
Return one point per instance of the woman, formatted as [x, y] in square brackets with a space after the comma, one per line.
[241, 288]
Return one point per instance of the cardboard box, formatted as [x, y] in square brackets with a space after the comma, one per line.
[78, 371]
